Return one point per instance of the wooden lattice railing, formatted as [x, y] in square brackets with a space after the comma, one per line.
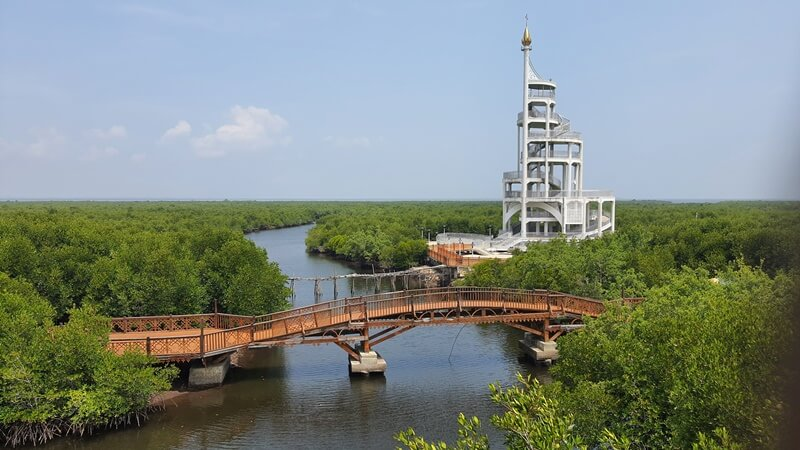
[227, 332]
[448, 254]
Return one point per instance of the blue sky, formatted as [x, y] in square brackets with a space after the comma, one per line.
[391, 100]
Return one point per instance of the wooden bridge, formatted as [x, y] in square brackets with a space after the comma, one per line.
[351, 321]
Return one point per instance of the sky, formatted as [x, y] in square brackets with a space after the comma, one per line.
[391, 100]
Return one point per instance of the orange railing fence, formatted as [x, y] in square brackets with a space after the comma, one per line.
[218, 333]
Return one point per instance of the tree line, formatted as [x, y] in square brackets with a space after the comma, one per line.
[148, 258]
[393, 235]
[653, 240]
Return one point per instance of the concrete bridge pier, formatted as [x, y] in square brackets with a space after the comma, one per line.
[538, 350]
[209, 373]
[369, 361]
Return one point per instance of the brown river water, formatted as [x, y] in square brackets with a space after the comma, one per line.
[303, 398]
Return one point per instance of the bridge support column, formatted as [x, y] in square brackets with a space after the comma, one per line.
[538, 350]
[369, 362]
[210, 374]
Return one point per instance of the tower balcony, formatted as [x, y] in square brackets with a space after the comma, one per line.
[513, 176]
[555, 153]
[558, 195]
[541, 89]
[538, 119]
[552, 135]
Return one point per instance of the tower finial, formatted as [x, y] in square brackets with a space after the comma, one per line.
[526, 36]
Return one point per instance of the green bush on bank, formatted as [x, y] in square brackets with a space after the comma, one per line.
[59, 380]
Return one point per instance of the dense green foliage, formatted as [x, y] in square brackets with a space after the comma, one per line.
[695, 356]
[697, 365]
[143, 258]
[63, 379]
[652, 240]
[392, 235]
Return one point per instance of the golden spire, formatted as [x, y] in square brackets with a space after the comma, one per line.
[526, 36]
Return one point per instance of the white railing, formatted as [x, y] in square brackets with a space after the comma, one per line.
[513, 194]
[541, 93]
[477, 240]
[512, 175]
[536, 115]
[569, 194]
[563, 123]
[554, 134]
[553, 153]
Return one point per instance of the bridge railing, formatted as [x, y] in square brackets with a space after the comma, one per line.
[163, 323]
[448, 255]
[232, 331]
[180, 322]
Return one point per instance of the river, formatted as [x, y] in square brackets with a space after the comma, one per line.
[303, 398]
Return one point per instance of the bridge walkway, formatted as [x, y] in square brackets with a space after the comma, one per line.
[349, 320]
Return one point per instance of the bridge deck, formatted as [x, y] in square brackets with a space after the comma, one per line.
[195, 336]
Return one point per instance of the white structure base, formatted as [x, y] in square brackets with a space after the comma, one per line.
[537, 350]
[371, 362]
[209, 375]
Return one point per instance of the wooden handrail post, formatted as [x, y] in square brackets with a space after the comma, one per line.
[147, 345]
[253, 330]
[202, 341]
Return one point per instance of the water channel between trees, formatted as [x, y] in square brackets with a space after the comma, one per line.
[302, 396]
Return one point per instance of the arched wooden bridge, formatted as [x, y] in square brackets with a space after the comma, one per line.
[349, 321]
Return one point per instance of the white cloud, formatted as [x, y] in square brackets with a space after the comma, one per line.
[138, 157]
[348, 142]
[115, 132]
[252, 129]
[43, 143]
[181, 129]
[46, 142]
[95, 153]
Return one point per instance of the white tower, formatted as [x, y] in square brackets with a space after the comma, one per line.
[544, 197]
